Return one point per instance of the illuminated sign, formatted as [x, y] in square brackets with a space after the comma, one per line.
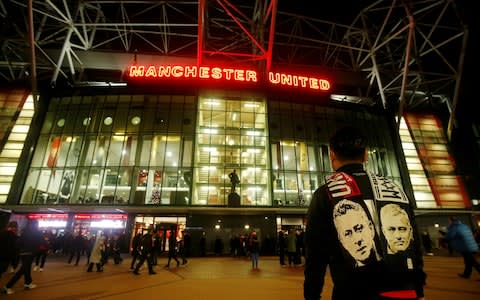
[107, 224]
[153, 72]
[47, 216]
[52, 223]
[298, 81]
[49, 220]
[100, 217]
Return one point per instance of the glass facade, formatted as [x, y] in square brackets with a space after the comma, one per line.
[179, 150]
[124, 149]
[16, 113]
[299, 136]
[231, 135]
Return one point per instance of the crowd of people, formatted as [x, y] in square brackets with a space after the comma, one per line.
[28, 249]
[360, 225]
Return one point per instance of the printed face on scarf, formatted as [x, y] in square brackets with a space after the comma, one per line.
[355, 230]
[396, 228]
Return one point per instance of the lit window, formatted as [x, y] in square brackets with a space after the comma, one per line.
[136, 120]
[108, 121]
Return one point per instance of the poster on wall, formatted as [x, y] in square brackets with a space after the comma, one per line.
[157, 178]
[52, 156]
[66, 187]
[142, 178]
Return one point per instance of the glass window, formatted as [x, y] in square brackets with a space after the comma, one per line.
[91, 184]
[48, 123]
[187, 152]
[40, 151]
[31, 194]
[227, 140]
[145, 145]
[96, 150]
[176, 121]
[120, 122]
[172, 151]
[117, 154]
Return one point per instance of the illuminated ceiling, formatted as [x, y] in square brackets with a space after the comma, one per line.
[409, 50]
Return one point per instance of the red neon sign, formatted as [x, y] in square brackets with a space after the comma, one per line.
[47, 216]
[192, 72]
[298, 81]
[149, 72]
[100, 216]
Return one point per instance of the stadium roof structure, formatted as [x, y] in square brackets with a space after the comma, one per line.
[410, 53]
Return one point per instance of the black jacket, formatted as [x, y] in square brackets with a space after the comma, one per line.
[333, 242]
[147, 244]
[29, 242]
[8, 242]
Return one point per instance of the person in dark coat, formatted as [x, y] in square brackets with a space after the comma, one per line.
[28, 243]
[282, 244]
[8, 249]
[172, 248]
[115, 248]
[182, 250]
[461, 238]
[146, 251]
[42, 253]
[157, 248]
[136, 247]
[77, 247]
[341, 234]
[427, 243]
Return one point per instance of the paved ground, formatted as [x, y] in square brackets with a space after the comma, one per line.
[213, 278]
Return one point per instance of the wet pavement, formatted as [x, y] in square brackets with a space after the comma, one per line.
[213, 278]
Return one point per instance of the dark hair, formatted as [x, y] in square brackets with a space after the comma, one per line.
[348, 143]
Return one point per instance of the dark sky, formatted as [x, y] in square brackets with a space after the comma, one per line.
[342, 11]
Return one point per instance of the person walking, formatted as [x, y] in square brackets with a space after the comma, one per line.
[28, 243]
[136, 247]
[146, 252]
[369, 257]
[157, 248]
[89, 242]
[97, 256]
[182, 249]
[77, 247]
[172, 248]
[461, 238]
[42, 253]
[8, 250]
[115, 248]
